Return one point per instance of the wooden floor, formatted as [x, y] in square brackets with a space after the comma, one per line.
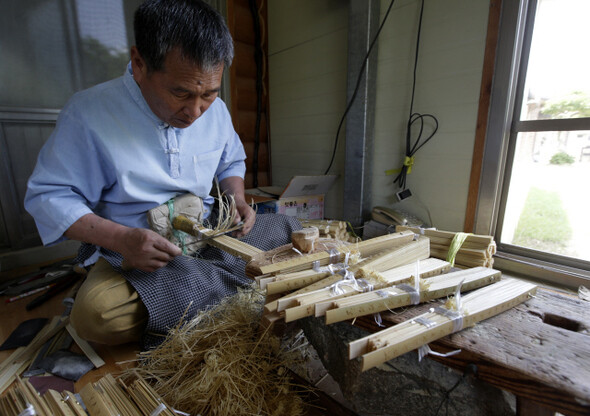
[116, 358]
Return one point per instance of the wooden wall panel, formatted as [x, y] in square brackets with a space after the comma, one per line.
[243, 73]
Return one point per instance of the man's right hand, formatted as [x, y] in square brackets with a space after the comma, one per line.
[141, 248]
[146, 250]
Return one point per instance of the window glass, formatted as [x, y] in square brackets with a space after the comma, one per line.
[53, 48]
[558, 75]
[548, 200]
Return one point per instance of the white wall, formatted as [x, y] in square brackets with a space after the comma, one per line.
[307, 53]
[307, 69]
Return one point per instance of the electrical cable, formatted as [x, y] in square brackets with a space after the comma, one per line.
[413, 118]
[358, 83]
[470, 369]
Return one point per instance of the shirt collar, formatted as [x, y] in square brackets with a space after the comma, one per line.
[135, 92]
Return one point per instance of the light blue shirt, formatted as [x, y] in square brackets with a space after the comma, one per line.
[110, 154]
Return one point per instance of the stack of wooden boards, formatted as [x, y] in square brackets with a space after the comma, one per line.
[128, 395]
[387, 272]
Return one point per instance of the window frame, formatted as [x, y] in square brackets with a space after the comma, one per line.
[502, 128]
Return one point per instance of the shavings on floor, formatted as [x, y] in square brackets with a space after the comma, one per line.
[222, 363]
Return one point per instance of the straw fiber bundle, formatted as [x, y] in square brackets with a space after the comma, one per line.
[220, 363]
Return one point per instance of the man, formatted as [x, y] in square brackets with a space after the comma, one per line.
[131, 144]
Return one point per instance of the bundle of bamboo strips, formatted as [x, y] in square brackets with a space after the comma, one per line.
[395, 297]
[476, 250]
[379, 262]
[319, 301]
[128, 396]
[407, 336]
[328, 228]
[107, 396]
[265, 263]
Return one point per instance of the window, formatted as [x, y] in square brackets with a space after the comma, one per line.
[535, 189]
[54, 48]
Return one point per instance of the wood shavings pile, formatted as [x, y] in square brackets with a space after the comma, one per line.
[222, 363]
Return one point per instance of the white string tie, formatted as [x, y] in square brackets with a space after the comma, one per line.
[424, 350]
[161, 407]
[455, 316]
[28, 411]
[422, 320]
[297, 251]
[411, 290]
[334, 256]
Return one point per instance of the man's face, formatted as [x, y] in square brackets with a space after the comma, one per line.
[180, 92]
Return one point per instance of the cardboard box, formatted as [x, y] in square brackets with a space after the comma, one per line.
[303, 197]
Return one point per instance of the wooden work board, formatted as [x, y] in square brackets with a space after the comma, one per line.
[538, 350]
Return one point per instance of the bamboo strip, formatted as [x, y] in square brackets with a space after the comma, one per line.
[33, 397]
[445, 242]
[438, 287]
[292, 281]
[115, 392]
[409, 253]
[226, 243]
[399, 339]
[465, 252]
[96, 401]
[85, 347]
[461, 259]
[19, 397]
[146, 398]
[9, 369]
[56, 404]
[73, 403]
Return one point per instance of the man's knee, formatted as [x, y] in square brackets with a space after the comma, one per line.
[107, 309]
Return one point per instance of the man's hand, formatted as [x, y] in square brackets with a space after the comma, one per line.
[234, 186]
[248, 215]
[146, 250]
[141, 248]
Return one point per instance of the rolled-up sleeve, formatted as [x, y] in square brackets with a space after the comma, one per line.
[232, 161]
[66, 183]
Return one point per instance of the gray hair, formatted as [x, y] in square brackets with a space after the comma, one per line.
[191, 25]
